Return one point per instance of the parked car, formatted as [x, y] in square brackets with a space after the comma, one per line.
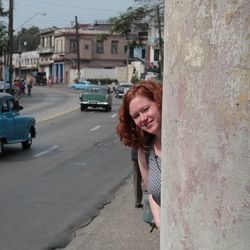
[96, 96]
[41, 78]
[14, 128]
[80, 85]
[121, 89]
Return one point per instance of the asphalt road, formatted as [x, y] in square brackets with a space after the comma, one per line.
[75, 165]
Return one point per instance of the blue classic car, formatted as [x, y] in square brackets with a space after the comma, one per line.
[14, 128]
[80, 85]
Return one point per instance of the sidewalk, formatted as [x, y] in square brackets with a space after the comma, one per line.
[119, 226]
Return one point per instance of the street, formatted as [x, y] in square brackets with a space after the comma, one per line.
[73, 168]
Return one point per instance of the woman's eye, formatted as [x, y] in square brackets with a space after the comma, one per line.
[145, 109]
[135, 116]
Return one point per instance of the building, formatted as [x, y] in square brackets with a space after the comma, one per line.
[115, 57]
[25, 63]
[94, 53]
[46, 51]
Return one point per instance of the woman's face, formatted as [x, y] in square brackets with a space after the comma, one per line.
[145, 114]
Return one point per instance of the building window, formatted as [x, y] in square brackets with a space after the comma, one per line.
[125, 49]
[50, 41]
[56, 46]
[72, 45]
[143, 34]
[114, 47]
[156, 54]
[43, 42]
[99, 47]
[143, 54]
[86, 47]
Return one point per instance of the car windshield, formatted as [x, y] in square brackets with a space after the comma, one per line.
[125, 86]
[95, 90]
[83, 83]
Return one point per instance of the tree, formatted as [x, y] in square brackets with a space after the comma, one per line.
[156, 16]
[3, 39]
[3, 32]
[151, 12]
[27, 39]
[2, 12]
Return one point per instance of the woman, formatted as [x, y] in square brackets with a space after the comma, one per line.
[140, 128]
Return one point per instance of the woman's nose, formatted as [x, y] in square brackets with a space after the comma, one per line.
[143, 117]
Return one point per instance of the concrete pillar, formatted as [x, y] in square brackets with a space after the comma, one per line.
[206, 108]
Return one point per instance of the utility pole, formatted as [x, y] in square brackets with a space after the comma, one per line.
[1, 9]
[10, 29]
[160, 42]
[19, 53]
[78, 50]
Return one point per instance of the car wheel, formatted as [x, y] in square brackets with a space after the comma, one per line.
[27, 144]
[83, 107]
[1, 147]
[108, 108]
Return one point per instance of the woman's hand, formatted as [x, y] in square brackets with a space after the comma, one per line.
[156, 211]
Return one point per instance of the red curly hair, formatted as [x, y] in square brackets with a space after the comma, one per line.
[127, 130]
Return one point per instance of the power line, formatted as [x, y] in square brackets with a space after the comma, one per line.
[68, 5]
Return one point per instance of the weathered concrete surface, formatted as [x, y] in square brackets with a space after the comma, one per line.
[206, 170]
[118, 227]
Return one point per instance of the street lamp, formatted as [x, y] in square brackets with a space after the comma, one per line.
[36, 14]
[19, 41]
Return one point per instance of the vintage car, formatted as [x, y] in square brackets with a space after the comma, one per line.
[122, 89]
[96, 96]
[14, 128]
[80, 85]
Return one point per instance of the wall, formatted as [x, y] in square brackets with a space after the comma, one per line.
[119, 73]
[206, 107]
[90, 73]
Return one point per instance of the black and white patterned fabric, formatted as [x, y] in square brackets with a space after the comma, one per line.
[154, 176]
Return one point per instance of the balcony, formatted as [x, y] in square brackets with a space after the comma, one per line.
[45, 50]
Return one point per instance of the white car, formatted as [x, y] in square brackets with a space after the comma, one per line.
[122, 89]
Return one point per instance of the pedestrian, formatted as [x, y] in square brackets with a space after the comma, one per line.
[22, 86]
[29, 86]
[139, 127]
[137, 179]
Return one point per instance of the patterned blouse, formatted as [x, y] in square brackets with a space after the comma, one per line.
[154, 176]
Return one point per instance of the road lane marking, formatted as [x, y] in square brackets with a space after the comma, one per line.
[114, 115]
[77, 163]
[95, 128]
[57, 115]
[49, 150]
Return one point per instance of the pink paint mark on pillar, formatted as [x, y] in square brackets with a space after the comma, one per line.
[181, 97]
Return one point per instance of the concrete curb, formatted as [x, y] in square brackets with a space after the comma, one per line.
[119, 226]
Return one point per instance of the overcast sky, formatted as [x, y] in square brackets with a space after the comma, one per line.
[61, 13]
